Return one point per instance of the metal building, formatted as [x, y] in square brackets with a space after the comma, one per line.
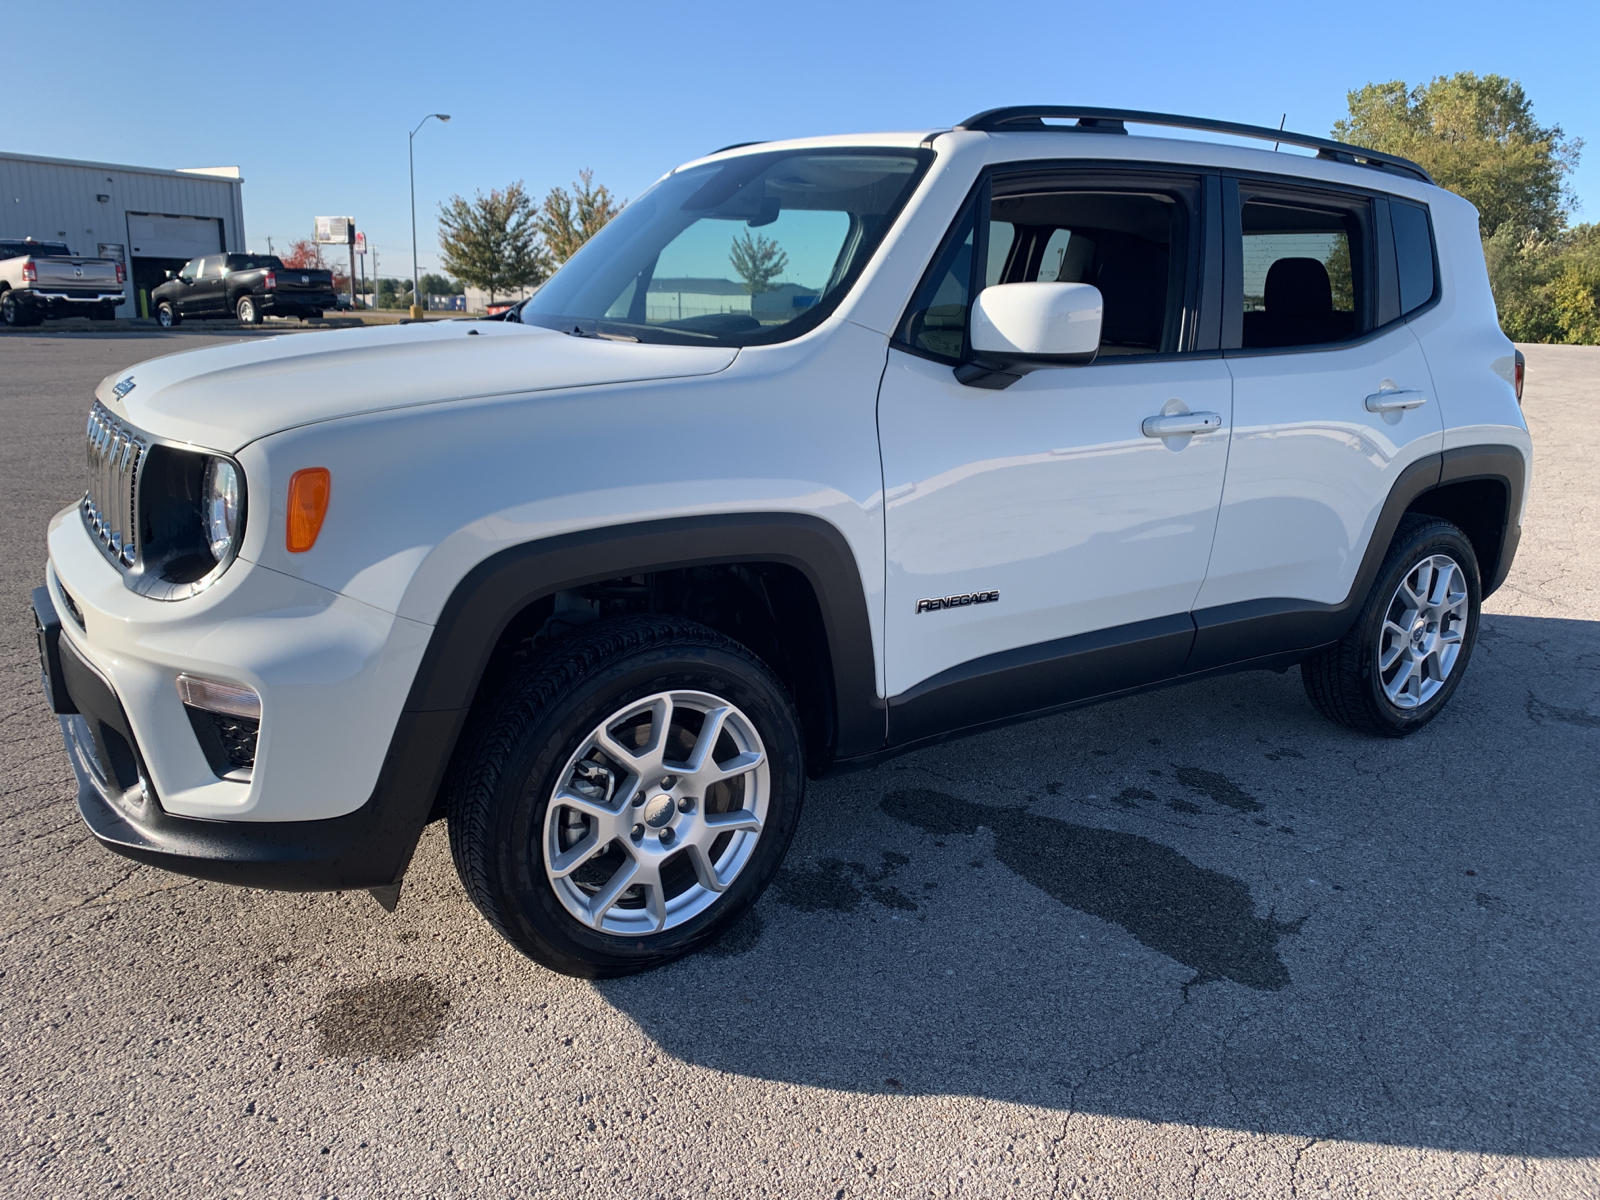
[151, 219]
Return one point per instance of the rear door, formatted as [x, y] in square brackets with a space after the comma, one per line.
[1332, 400]
[1040, 547]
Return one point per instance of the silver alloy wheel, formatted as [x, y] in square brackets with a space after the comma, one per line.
[247, 311]
[656, 813]
[164, 317]
[1422, 633]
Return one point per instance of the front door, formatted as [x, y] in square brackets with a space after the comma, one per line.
[1041, 547]
[207, 296]
[1332, 401]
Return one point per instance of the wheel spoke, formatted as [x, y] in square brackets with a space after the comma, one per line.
[729, 822]
[1387, 658]
[607, 896]
[573, 857]
[655, 902]
[706, 743]
[567, 798]
[740, 764]
[704, 870]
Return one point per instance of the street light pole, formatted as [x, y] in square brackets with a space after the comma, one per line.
[411, 159]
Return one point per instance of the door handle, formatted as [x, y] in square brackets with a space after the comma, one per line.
[1394, 400]
[1178, 424]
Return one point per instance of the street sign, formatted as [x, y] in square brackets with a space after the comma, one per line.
[361, 243]
[336, 231]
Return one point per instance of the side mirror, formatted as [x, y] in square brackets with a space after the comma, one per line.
[1023, 327]
[168, 274]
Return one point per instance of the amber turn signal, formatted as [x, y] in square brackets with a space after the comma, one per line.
[308, 504]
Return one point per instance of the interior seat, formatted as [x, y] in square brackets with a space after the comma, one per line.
[1298, 307]
[1132, 278]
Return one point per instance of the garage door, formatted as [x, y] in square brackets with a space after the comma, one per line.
[153, 236]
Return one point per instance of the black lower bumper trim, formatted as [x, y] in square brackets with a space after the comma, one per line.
[370, 847]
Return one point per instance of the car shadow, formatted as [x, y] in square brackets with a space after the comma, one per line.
[1203, 905]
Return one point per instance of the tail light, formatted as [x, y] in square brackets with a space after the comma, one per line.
[30, 273]
[1521, 374]
[270, 281]
[122, 275]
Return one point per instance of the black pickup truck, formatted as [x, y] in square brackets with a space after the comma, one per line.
[246, 286]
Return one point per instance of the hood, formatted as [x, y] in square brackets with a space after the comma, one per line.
[224, 397]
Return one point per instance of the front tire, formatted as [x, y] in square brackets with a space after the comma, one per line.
[1404, 657]
[628, 797]
[247, 311]
[167, 315]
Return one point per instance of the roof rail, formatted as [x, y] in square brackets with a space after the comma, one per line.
[1023, 118]
[735, 146]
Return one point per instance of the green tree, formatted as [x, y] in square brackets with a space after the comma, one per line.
[493, 242]
[569, 219]
[1477, 136]
[438, 285]
[758, 261]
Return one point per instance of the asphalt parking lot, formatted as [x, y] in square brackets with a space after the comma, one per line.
[1194, 943]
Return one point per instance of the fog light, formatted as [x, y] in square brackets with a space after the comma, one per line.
[231, 698]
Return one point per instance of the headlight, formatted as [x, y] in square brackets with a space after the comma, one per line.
[220, 507]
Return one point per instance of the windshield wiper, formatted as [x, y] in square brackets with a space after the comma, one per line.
[579, 331]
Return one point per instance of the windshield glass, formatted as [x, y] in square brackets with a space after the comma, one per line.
[756, 249]
[37, 249]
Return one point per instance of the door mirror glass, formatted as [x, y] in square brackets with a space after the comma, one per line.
[1023, 326]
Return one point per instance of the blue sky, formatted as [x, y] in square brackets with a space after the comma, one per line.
[313, 101]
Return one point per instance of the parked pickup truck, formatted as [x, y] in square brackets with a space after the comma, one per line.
[46, 279]
[247, 286]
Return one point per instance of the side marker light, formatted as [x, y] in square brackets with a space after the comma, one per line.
[309, 490]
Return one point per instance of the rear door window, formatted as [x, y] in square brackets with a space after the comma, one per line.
[1304, 269]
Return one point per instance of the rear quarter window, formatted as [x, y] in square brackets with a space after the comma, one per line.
[1413, 248]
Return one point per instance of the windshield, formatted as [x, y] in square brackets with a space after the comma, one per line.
[756, 249]
[37, 249]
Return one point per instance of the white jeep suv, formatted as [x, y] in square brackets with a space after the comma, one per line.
[820, 451]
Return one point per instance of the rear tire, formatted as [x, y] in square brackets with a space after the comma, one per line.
[167, 315]
[106, 312]
[651, 857]
[1405, 655]
[15, 314]
[247, 311]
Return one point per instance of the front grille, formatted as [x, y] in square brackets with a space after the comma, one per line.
[110, 506]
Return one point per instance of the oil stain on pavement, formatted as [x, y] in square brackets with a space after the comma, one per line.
[388, 1018]
[1202, 918]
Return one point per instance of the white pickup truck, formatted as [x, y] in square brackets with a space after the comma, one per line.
[46, 279]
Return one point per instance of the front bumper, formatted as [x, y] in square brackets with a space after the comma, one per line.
[343, 781]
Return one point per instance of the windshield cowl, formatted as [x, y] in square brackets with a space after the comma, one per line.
[753, 250]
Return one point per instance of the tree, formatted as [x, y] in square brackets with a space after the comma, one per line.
[1477, 136]
[438, 285]
[493, 242]
[569, 219]
[758, 261]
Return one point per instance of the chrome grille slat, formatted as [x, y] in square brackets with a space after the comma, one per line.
[111, 505]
